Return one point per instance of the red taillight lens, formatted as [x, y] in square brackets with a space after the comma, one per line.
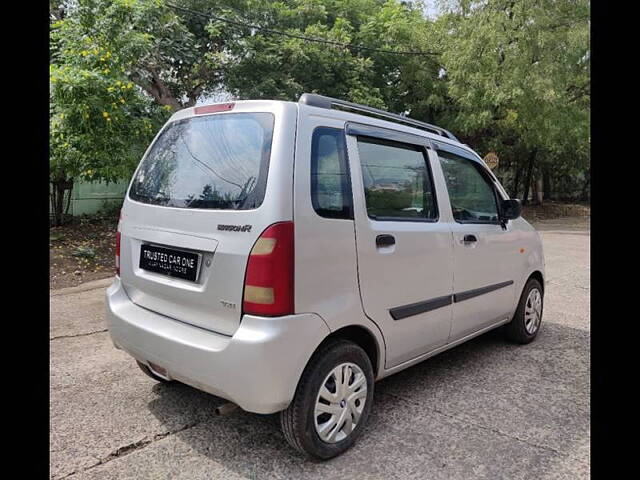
[118, 253]
[118, 246]
[268, 285]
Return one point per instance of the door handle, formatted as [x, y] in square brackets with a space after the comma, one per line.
[385, 240]
[469, 238]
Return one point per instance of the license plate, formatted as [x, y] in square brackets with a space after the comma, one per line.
[174, 263]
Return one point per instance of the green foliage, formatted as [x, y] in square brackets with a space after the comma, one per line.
[100, 122]
[55, 237]
[510, 76]
[168, 53]
[84, 252]
[264, 65]
[517, 74]
[389, 203]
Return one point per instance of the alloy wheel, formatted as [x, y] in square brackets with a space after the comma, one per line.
[533, 311]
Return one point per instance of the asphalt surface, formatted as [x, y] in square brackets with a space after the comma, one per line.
[485, 409]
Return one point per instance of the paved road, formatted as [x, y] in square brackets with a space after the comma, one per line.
[486, 409]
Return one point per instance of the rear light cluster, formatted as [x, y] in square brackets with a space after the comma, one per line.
[268, 285]
[118, 246]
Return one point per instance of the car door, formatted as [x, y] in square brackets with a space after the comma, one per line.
[485, 249]
[405, 253]
[326, 280]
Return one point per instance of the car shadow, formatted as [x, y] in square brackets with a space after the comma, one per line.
[495, 401]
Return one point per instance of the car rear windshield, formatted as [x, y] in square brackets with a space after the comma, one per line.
[215, 161]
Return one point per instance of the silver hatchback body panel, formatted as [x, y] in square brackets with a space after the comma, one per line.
[196, 330]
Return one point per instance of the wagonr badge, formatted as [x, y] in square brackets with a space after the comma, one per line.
[379, 241]
[235, 228]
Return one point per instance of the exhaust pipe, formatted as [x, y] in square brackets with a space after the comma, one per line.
[225, 409]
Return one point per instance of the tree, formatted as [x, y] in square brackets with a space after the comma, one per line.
[518, 75]
[163, 48]
[504, 75]
[100, 123]
[262, 64]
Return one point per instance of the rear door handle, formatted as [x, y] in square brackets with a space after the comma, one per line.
[385, 240]
[469, 239]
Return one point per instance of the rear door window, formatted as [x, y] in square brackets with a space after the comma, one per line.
[212, 162]
[397, 181]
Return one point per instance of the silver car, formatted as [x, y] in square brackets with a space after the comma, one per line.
[284, 256]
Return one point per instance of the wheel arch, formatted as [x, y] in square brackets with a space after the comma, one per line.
[537, 274]
[361, 336]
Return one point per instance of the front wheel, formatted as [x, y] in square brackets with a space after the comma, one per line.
[332, 401]
[525, 324]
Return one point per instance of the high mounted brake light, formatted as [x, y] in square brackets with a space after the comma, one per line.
[219, 107]
[268, 285]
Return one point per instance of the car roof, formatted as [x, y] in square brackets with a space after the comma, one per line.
[353, 116]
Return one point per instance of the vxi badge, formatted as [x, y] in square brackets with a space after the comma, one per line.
[235, 228]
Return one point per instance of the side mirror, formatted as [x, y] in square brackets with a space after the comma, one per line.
[511, 209]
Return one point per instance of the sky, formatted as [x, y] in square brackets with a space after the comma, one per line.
[431, 9]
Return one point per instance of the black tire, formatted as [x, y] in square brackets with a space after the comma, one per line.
[148, 372]
[515, 330]
[298, 422]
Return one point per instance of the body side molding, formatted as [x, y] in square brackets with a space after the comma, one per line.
[398, 313]
[411, 309]
[459, 297]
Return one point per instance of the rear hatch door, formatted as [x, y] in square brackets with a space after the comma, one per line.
[204, 192]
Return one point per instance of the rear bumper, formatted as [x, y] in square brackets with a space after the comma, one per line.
[257, 368]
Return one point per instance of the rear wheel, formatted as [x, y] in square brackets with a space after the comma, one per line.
[332, 401]
[525, 324]
[148, 372]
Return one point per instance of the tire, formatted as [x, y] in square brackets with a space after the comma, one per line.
[519, 330]
[148, 372]
[298, 421]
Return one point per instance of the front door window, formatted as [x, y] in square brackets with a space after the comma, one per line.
[473, 198]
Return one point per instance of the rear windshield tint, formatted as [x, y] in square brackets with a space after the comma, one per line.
[216, 161]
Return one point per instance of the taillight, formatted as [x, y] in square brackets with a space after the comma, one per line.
[118, 246]
[268, 284]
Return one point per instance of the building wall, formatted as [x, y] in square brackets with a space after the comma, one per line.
[89, 197]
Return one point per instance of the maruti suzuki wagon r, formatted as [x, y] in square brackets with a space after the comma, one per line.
[284, 256]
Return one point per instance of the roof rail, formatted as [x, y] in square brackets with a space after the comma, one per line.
[321, 101]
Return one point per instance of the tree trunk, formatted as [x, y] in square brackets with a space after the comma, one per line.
[527, 184]
[69, 192]
[58, 205]
[157, 88]
[516, 182]
[539, 191]
[584, 196]
[54, 202]
[546, 184]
